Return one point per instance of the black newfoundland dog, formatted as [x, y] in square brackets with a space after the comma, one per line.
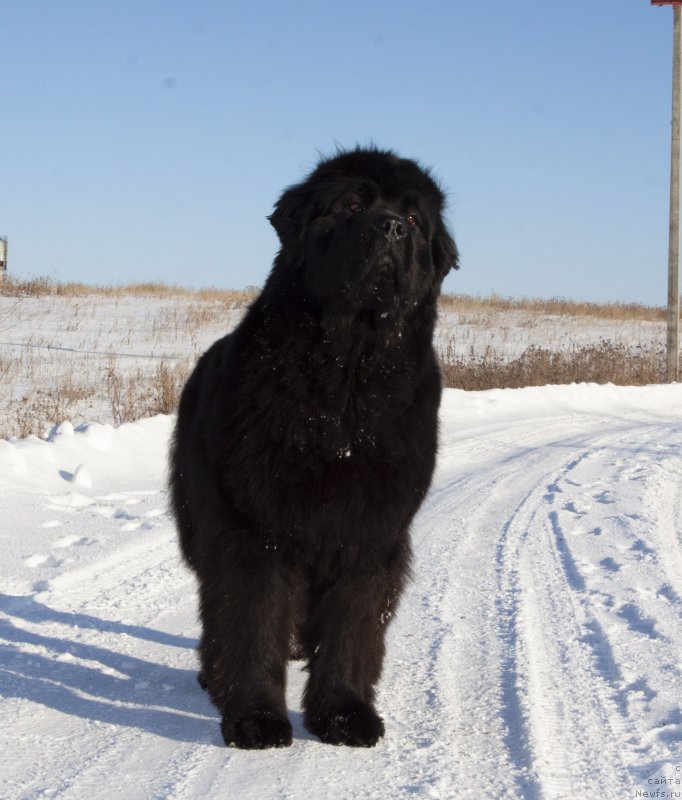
[305, 443]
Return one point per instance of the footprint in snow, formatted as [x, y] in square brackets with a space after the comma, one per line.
[637, 622]
[667, 592]
[136, 525]
[633, 474]
[642, 548]
[80, 477]
[41, 560]
[73, 541]
[105, 511]
[605, 497]
[579, 509]
[553, 490]
[609, 564]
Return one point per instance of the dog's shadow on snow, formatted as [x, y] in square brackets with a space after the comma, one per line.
[104, 684]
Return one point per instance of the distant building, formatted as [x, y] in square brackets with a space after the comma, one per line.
[3, 257]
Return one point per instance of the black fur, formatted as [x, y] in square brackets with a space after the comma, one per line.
[305, 443]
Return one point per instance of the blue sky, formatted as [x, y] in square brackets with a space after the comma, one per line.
[148, 140]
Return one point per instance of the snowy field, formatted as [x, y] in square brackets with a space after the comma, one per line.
[58, 354]
[536, 654]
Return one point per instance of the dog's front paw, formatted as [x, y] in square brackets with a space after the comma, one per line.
[354, 724]
[257, 731]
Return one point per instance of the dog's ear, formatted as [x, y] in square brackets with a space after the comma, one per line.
[444, 251]
[292, 212]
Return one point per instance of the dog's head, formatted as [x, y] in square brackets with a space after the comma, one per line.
[365, 232]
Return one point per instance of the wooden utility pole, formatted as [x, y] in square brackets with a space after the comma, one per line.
[673, 336]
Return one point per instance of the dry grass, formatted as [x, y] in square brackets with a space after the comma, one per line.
[136, 396]
[130, 396]
[105, 354]
[42, 286]
[38, 409]
[604, 362]
[555, 306]
[101, 354]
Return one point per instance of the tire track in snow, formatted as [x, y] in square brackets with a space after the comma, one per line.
[509, 639]
[451, 612]
[571, 741]
[582, 698]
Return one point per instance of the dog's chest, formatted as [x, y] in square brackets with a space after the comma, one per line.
[329, 442]
[326, 466]
[337, 408]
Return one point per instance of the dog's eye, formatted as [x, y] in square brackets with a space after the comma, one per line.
[354, 206]
[412, 219]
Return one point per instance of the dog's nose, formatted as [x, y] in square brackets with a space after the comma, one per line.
[393, 228]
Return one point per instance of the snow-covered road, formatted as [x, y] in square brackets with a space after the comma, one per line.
[536, 654]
